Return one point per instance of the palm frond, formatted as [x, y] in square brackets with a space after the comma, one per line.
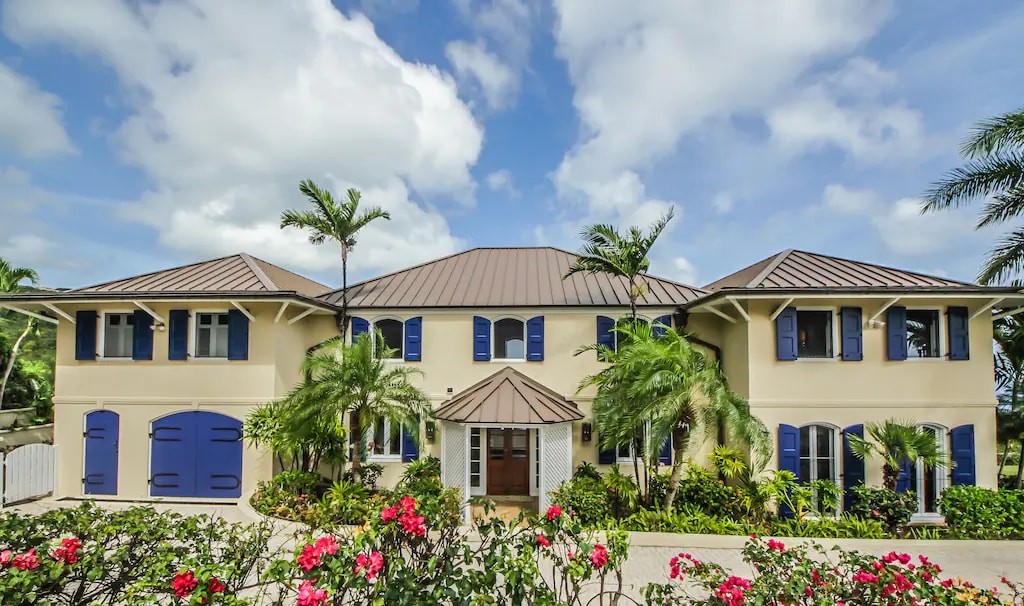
[1005, 260]
[1002, 207]
[994, 135]
[982, 177]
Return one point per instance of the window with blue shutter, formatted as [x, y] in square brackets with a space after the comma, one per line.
[786, 335]
[142, 336]
[961, 445]
[852, 332]
[410, 447]
[605, 336]
[238, 335]
[661, 326]
[85, 335]
[789, 457]
[177, 337]
[535, 339]
[359, 326]
[959, 336]
[853, 466]
[414, 339]
[481, 339]
[903, 479]
[605, 456]
[665, 456]
[896, 333]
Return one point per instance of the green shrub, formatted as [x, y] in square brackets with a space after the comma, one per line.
[893, 509]
[298, 482]
[586, 470]
[623, 492]
[659, 489]
[701, 489]
[422, 477]
[980, 513]
[846, 527]
[685, 520]
[366, 474]
[292, 495]
[585, 498]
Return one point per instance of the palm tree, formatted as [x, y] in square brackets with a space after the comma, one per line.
[995, 171]
[11, 279]
[605, 251]
[336, 221]
[1009, 365]
[354, 381]
[896, 443]
[668, 389]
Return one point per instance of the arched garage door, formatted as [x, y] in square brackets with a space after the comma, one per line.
[196, 454]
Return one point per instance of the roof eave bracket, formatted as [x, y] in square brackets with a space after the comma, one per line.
[159, 319]
[245, 312]
[873, 320]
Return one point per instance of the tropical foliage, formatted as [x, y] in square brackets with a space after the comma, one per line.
[12, 280]
[1009, 363]
[994, 172]
[896, 443]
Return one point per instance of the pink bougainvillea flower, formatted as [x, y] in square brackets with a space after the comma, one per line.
[776, 545]
[68, 551]
[904, 558]
[413, 524]
[865, 577]
[184, 584]
[215, 586]
[553, 512]
[877, 566]
[5, 558]
[309, 595]
[327, 545]
[731, 590]
[309, 558]
[599, 556]
[543, 541]
[26, 561]
[408, 504]
[390, 514]
[370, 564]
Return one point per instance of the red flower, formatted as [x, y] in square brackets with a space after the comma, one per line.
[599, 556]
[5, 558]
[776, 545]
[874, 512]
[731, 590]
[408, 504]
[67, 552]
[808, 591]
[865, 577]
[310, 596]
[184, 583]
[903, 558]
[372, 564]
[309, 558]
[414, 525]
[26, 561]
[553, 512]
[326, 545]
[947, 583]
[877, 566]
[390, 514]
[543, 541]
[215, 586]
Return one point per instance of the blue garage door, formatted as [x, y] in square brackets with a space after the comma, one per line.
[101, 437]
[196, 454]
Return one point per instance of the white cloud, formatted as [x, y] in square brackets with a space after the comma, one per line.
[648, 73]
[723, 203]
[846, 201]
[30, 118]
[481, 71]
[683, 271]
[234, 102]
[501, 181]
[906, 231]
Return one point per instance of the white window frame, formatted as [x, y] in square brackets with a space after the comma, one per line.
[494, 340]
[940, 334]
[193, 319]
[834, 322]
[101, 345]
[813, 455]
[615, 333]
[401, 350]
[383, 458]
[629, 458]
[481, 490]
[941, 478]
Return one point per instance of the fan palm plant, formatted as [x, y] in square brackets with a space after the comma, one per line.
[11, 281]
[994, 171]
[896, 443]
[604, 250]
[331, 220]
[354, 381]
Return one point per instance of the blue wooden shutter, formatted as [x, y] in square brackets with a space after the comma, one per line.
[414, 339]
[961, 444]
[605, 456]
[172, 456]
[219, 448]
[605, 336]
[853, 466]
[903, 480]
[535, 339]
[481, 339]
[85, 335]
[665, 456]
[177, 339]
[853, 333]
[142, 336]
[238, 335]
[410, 449]
[896, 332]
[661, 325]
[959, 337]
[101, 446]
[786, 335]
[359, 326]
[789, 456]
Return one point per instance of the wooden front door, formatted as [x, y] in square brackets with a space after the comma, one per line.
[508, 462]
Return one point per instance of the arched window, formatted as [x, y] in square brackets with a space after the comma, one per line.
[394, 338]
[621, 339]
[927, 482]
[509, 339]
[818, 460]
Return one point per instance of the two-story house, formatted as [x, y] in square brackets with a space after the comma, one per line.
[156, 373]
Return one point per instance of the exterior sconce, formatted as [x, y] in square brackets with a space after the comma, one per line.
[430, 430]
[588, 432]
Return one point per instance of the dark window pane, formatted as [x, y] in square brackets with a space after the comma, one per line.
[520, 444]
[222, 319]
[205, 319]
[114, 319]
[922, 333]
[395, 442]
[378, 438]
[624, 451]
[805, 441]
[129, 319]
[509, 339]
[824, 467]
[496, 444]
[931, 486]
[814, 329]
[805, 470]
[824, 441]
[391, 330]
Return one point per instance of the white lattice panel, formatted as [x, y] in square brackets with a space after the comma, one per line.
[28, 472]
[555, 459]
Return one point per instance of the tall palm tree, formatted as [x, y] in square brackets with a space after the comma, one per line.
[1009, 365]
[355, 381]
[994, 171]
[675, 390]
[11, 279]
[896, 443]
[604, 250]
[331, 220]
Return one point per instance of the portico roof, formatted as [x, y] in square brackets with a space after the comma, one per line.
[508, 397]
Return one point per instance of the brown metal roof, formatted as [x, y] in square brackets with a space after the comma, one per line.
[792, 269]
[237, 273]
[508, 397]
[506, 277]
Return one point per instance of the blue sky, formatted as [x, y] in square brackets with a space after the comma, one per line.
[137, 135]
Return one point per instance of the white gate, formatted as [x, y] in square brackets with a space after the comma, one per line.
[29, 473]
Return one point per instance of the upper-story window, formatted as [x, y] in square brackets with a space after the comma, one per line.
[923, 333]
[509, 339]
[211, 335]
[393, 333]
[814, 333]
[118, 332]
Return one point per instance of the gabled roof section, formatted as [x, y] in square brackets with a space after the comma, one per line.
[239, 273]
[796, 269]
[508, 397]
[506, 277]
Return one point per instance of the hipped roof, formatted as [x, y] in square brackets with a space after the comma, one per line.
[508, 397]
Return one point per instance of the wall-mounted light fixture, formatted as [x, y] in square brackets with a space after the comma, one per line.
[588, 432]
[430, 430]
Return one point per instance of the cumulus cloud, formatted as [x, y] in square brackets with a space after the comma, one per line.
[723, 203]
[483, 73]
[233, 102]
[501, 181]
[30, 118]
[683, 271]
[906, 231]
[846, 201]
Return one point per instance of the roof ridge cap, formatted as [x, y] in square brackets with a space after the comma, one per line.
[885, 267]
[779, 258]
[250, 262]
[154, 272]
[398, 271]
